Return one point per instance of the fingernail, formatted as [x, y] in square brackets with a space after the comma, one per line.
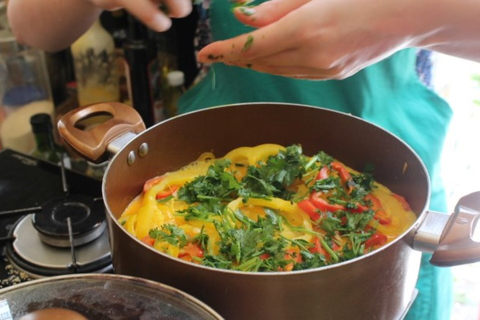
[161, 23]
[248, 11]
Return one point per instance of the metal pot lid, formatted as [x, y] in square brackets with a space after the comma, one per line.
[102, 296]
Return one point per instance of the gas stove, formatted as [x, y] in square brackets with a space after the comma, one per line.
[52, 221]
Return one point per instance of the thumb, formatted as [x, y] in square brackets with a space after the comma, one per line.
[267, 12]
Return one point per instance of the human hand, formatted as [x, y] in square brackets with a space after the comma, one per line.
[319, 39]
[148, 11]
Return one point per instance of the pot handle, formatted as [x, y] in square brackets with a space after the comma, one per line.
[456, 245]
[90, 129]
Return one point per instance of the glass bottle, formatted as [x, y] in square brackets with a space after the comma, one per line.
[140, 57]
[24, 91]
[118, 29]
[46, 148]
[166, 44]
[174, 90]
[96, 71]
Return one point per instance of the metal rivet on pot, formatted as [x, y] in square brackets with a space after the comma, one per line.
[131, 158]
[143, 150]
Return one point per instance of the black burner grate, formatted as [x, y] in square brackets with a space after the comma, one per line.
[26, 186]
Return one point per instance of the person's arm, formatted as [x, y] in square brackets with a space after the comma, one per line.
[53, 25]
[333, 39]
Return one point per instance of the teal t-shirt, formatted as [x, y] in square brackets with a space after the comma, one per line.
[388, 93]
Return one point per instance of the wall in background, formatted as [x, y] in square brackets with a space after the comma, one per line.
[458, 81]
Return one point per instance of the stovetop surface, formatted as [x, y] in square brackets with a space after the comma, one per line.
[27, 182]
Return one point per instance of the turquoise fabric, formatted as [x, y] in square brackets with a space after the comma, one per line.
[388, 94]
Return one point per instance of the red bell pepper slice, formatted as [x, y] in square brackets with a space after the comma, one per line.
[191, 250]
[402, 200]
[151, 182]
[322, 204]
[359, 209]
[322, 174]
[148, 240]
[308, 207]
[318, 247]
[265, 256]
[377, 239]
[342, 171]
[380, 214]
[166, 193]
[336, 246]
[292, 254]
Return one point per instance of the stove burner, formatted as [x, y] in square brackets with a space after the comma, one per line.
[70, 234]
[38, 259]
[85, 215]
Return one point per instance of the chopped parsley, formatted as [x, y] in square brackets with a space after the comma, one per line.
[259, 245]
[248, 43]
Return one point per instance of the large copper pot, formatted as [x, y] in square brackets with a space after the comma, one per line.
[379, 285]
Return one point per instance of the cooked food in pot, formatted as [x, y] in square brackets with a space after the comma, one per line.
[266, 208]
